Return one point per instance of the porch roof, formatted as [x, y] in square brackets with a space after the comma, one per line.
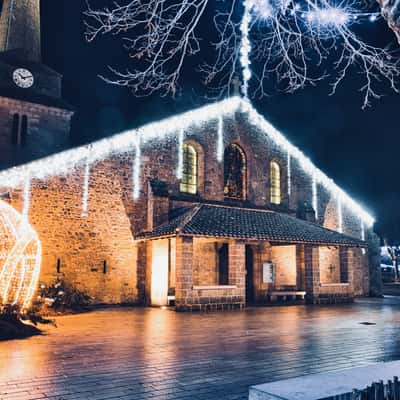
[242, 223]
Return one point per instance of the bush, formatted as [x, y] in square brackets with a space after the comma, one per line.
[62, 296]
[12, 325]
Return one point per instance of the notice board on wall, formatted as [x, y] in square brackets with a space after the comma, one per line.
[268, 273]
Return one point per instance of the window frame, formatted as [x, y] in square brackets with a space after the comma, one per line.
[189, 183]
[243, 195]
[275, 182]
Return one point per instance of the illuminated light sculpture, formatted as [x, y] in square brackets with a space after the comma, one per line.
[131, 141]
[20, 258]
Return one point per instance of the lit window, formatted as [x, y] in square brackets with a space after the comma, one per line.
[275, 182]
[189, 172]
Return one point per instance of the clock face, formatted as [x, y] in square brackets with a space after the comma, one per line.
[23, 78]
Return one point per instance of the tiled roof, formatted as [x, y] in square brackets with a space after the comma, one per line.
[242, 223]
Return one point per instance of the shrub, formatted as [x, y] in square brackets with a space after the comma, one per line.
[62, 296]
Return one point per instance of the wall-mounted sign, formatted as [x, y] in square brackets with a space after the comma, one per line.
[268, 274]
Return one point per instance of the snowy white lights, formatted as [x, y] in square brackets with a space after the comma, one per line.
[245, 47]
[20, 257]
[288, 43]
[85, 190]
[328, 16]
[131, 142]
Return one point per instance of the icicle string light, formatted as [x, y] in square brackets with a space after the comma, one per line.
[65, 162]
[220, 144]
[245, 47]
[27, 197]
[179, 170]
[315, 196]
[20, 258]
[136, 168]
[340, 215]
[289, 175]
[85, 191]
[362, 231]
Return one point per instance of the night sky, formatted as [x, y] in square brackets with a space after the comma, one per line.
[359, 149]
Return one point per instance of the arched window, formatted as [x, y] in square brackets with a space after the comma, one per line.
[189, 171]
[275, 182]
[234, 172]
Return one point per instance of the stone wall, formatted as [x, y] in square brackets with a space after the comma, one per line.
[48, 131]
[82, 244]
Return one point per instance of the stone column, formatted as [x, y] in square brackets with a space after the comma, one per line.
[141, 249]
[184, 273]
[312, 276]
[300, 267]
[347, 264]
[237, 267]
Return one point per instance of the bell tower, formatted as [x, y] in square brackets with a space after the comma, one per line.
[34, 118]
[20, 27]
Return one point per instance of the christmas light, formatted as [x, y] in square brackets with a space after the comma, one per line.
[27, 197]
[66, 162]
[245, 47]
[289, 175]
[136, 168]
[179, 170]
[340, 215]
[20, 257]
[220, 140]
[328, 16]
[85, 194]
[315, 196]
[294, 43]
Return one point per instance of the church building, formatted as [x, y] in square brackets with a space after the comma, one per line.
[211, 209]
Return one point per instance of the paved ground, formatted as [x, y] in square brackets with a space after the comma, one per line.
[129, 354]
[391, 289]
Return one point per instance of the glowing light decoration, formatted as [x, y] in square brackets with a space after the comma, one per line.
[328, 16]
[362, 231]
[136, 168]
[66, 162]
[245, 47]
[289, 175]
[220, 143]
[20, 258]
[27, 197]
[85, 190]
[179, 170]
[340, 215]
[294, 43]
[315, 196]
[262, 9]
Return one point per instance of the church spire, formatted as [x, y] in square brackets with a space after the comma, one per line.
[20, 27]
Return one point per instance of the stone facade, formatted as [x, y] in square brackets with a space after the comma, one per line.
[185, 269]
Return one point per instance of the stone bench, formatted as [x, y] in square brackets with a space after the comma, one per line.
[326, 385]
[287, 295]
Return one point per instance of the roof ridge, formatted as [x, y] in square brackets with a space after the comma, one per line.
[241, 208]
[192, 213]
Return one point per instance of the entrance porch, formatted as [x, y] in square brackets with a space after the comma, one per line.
[218, 267]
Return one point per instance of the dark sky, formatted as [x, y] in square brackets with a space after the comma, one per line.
[358, 149]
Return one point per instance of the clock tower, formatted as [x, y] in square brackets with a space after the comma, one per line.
[34, 118]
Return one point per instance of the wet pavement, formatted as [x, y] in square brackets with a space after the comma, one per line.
[136, 353]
